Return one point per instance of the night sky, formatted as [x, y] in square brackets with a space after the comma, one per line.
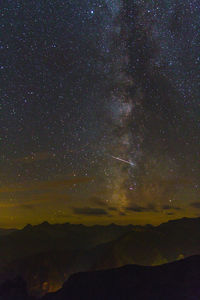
[99, 111]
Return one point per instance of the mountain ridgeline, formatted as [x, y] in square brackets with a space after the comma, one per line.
[173, 281]
[47, 255]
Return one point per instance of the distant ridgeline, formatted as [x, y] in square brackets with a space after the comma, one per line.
[46, 255]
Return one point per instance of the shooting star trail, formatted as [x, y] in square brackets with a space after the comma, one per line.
[123, 160]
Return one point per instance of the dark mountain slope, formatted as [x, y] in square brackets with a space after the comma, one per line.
[153, 246]
[45, 237]
[174, 281]
[4, 231]
[54, 252]
[46, 271]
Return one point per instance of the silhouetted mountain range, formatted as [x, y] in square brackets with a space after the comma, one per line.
[174, 281]
[154, 245]
[46, 255]
[50, 253]
[179, 280]
[46, 237]
[6, 231]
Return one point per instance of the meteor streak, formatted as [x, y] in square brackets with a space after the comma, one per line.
[123, 160]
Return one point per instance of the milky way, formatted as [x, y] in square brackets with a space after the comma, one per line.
[86, 81]
[156, 112]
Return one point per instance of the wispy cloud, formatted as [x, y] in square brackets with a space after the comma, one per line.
[44, 185]
[24, 205]
[89, 211]
[137, 208]
[195, 204]
[170, 207]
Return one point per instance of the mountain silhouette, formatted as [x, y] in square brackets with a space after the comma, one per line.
[6, 231]
[174, 281]
[178, 280]
[46, 255]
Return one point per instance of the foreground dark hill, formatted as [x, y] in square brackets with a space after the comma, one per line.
[179, 280]
[174, 281]
[6, 231]
[46, 255]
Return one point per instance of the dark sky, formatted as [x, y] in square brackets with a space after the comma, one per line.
[99, 111]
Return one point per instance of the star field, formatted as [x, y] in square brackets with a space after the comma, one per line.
[86, 82]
